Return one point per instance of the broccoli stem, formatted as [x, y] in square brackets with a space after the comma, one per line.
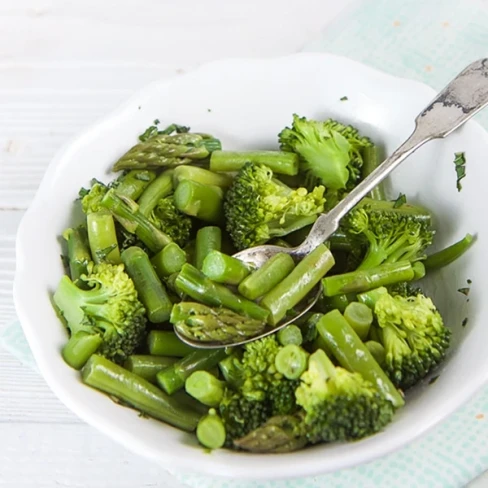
[78, 251]
[280, 162]
[295, 287]
[102, 374]
[267, 277]
[208, 239]
[150, 290]
[126, 211]
[449, 254]
[202, 323]
[173, 378]
[80, 347]
[201, 175]
[196, 285]
[134, 183]
[102, 237]
[166, 343]
[224, 269]
[377, 351]
[147, 366]
[360, 318]
[291, 361]
[291, 334]
[211, 431]
[367, 279]
[205, 388]
[370, 163]
[369, 298]
[161, 187]
[200, 201]
[352, 354]
[169, 260]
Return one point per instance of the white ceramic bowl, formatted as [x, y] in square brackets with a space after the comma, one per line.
[246, 103]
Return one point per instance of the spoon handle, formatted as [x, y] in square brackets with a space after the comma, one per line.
[462, 98]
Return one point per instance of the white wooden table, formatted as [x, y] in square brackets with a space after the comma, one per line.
[63, 64]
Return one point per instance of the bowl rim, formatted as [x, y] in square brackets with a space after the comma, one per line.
[172, 461]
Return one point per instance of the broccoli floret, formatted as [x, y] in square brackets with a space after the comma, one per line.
[258, 207]
[109, 308]
[339, 405]
[171, 221]
[389, 234]
[90, 199]
[413, 334]
[330, 152]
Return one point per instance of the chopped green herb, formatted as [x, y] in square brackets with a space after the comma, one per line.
[401, 200]
[103, 253]
[464, 291]
[209, 109]
[156, 122]
[343, 99]
[460, 165]
[151, 131]
[468, 281]
[464, 322]
[434, 379]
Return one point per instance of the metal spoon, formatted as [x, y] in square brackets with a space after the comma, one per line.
[466, 95]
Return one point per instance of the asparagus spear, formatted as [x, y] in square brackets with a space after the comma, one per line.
[196, 285]
[167, 343]
[102, 237]
[205, 388]
[134, 183]
[150, 290]
[147, 366]
[201, 175]
[104, 375]
[126, 211]
[167, 151]
[360, 318]
[202, 323]
[371, 161]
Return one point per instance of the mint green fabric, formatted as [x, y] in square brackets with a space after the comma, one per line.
[429, 41]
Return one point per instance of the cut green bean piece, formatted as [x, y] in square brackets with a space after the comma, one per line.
[200, 201]
[147, 366]
[211, 431]
[150, 290]
[449, 254]
[224, 269]
[295, 287]
[208, 239]
[169, 260]
[104, 375]
[353, 355]
[369, 298]
[201, 175]
[360, 318]
[102, 237]
[205, 388]
[267, 277]
[161, 187]
[418, 270]
[291, 361]
[280, 162]
[371, 160]
[80, 347]
[78, 251]
[167, 343]
[173, 378]
[367, 279]
[291, 334]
